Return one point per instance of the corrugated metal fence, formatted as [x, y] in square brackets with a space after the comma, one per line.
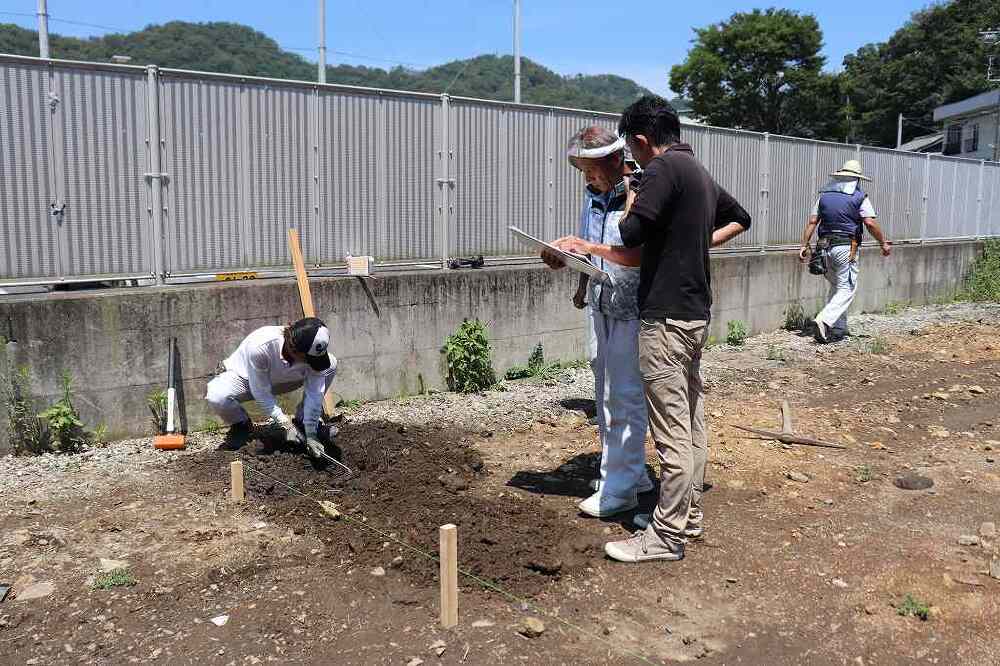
[121, 172]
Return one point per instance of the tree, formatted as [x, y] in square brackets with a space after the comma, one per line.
[761, 71]
[935, 58]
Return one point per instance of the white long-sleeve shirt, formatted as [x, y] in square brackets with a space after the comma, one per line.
[258, 359]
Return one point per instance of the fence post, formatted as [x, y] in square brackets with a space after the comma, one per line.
[444, 181]
[765, 190]
[551, 148]
[923, 212]
[155, 175]
[979, 196]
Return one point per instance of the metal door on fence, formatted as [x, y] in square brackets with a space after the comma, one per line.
[73, 158]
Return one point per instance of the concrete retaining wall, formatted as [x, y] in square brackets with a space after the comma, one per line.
[114, 342]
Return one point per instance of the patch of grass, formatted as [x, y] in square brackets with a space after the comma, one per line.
[894, 307]
[348, 404]
[115, 578]
[470, 358]
[157, 403]
[737, 332]
[538, 368]
[210, 426]
[26, 433]
[795, 318]
[913, 606]
[863, 473]
[711, 342]
[775, 353]
[982, 284]
[878, 345]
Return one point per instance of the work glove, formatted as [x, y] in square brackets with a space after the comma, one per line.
[314, 447]
[291, 434]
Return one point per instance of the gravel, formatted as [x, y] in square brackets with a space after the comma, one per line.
[491, 413]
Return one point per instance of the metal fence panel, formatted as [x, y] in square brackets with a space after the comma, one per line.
[277, 157]
[480, 167]
[793, 188]
[349, 187]
[28, 246]
[411, 141]
[733, 158]
[896, 190]
[103, 150]
[200, 126]
[989, 224]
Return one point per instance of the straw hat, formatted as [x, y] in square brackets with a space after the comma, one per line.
[851, 169]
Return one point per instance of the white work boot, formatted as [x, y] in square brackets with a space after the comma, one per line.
[601, 505]
[645, 484]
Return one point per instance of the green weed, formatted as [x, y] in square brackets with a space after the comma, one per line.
[795, 318]
[878, 345]
[737, 332]
[894, 307]
[116, 578]
[863, 473]
[913, 606]
[983, 281]
[210, 426]
[27, 433]
[68, 431]
[157, 403]
[775, 353]
[470, 358]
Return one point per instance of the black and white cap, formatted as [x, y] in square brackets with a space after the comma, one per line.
[311, 337]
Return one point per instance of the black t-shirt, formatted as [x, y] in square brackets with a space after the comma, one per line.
[673, 216]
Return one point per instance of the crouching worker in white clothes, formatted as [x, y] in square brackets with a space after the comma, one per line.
[613, 318]
[271, 361]
[842, 212]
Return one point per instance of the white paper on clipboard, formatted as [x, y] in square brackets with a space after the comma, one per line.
[577, 262]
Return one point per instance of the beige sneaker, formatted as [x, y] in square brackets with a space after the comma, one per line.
[641, 547]
[692, 531]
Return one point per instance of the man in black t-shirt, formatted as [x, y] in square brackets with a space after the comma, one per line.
[679, 212]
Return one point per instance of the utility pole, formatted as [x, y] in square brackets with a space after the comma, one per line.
[899, 132]
[517, 51]
[322, 40]
[43, 29]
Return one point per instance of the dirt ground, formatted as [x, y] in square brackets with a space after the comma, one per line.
[790, 572]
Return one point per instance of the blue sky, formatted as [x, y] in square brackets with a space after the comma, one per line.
[640, 40]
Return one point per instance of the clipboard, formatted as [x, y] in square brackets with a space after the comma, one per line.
[577, 262]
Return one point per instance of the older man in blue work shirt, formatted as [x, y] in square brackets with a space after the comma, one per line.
[842, 211]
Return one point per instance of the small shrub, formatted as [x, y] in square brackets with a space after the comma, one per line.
[913, 606]
[115, 578]
[349, 404]
[68, 432]
[983, 281]
[537, 367]
[863, 473]
[27, 434]
[795, 318]
[518, 372]
[775, 353]
[536, 362]
[737, 332]
[157, 403]
[470, 358]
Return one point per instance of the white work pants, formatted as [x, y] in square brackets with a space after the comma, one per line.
[228, 390]
[842, 274]
[621, 401]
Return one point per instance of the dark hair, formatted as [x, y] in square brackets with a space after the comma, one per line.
[653, 117]
[299, 334]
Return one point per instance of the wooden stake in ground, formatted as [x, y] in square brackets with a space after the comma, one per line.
[305, 296]
[449, 575]
[238, 494]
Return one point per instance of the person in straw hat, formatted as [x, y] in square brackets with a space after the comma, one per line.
[842, 211]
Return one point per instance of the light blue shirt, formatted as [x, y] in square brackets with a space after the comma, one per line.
[599, 223]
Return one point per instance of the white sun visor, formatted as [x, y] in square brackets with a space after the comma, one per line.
[578, 152]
